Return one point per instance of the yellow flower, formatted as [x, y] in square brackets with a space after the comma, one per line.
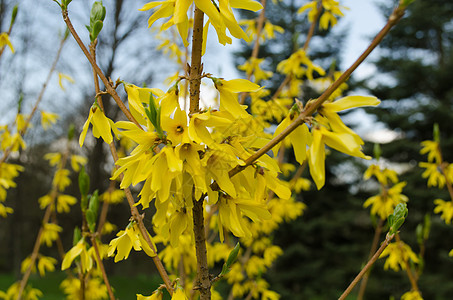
[101, 126]
[61, 179]
[125, 241]
[4, 210]
[176, 127]
[434, 175]
[62, 76]
[113, 197]
[4, 41]
[46, 263]
[398, 254]
[300, 138]
[53, 158]
[433, 150]
[156, 295]
[228, 91]
[136, 97]
[298, 64]
[384, 204]
[412, 295]
[77, 161]
[383, 176]
[179, 294]
[444, 207]
[64, 202]
[79, 250]
[47, 119]
[221, 16]
[50, 233]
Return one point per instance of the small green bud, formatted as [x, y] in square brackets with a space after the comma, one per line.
[405, 3]
[436, 132]
[84, 182]
[71, 131]
[14, 14]
[94, 203]
[77, 236]
[377, 151]
[95, 30]
[97, 13]
[231, 259]
[419, 234]
[426, 226]
[397, 218]
[91, 220]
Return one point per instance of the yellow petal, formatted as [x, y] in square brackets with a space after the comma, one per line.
[240, 85]
[352, 101]
[101, 126]
[246, 4]
[316, 159]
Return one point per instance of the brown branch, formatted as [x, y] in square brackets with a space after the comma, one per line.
[203, 278]
[109, 87]
[45, 220]
[101, 266]
[130, 199]
[365, 269]
[203, 283]
[196, 67]
[312, 107]
[409, 273]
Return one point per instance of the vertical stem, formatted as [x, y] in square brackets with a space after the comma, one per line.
[204, 281]
[374, 246]
[101, 266]
[409, 273]
[196, 67]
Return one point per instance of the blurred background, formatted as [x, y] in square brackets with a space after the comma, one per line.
[411, 72]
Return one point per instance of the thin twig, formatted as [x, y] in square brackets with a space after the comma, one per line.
[374, 245]
[130, 199]
[101, 266]
[38, 100]
[110, 89]
[373, 259]
[312, 107]
[45, 220]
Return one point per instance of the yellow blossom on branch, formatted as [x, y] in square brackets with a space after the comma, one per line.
[220, 16]
[445, 208]
[101, 126]
[4, 41]
[398, 254]
[47, 119]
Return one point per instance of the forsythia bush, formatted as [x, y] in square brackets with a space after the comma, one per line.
[214, 174]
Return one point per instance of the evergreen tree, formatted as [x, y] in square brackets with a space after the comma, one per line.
[414, 81]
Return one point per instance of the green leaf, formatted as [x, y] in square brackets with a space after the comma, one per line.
[377, 151]
[77, 236]
[94, 203]
[14, 14]
[231, 259]
[71, 131]
[397, 218]
[436, 132]
[84, 182]
[91, 220]
[97, 13]
[97, 27]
